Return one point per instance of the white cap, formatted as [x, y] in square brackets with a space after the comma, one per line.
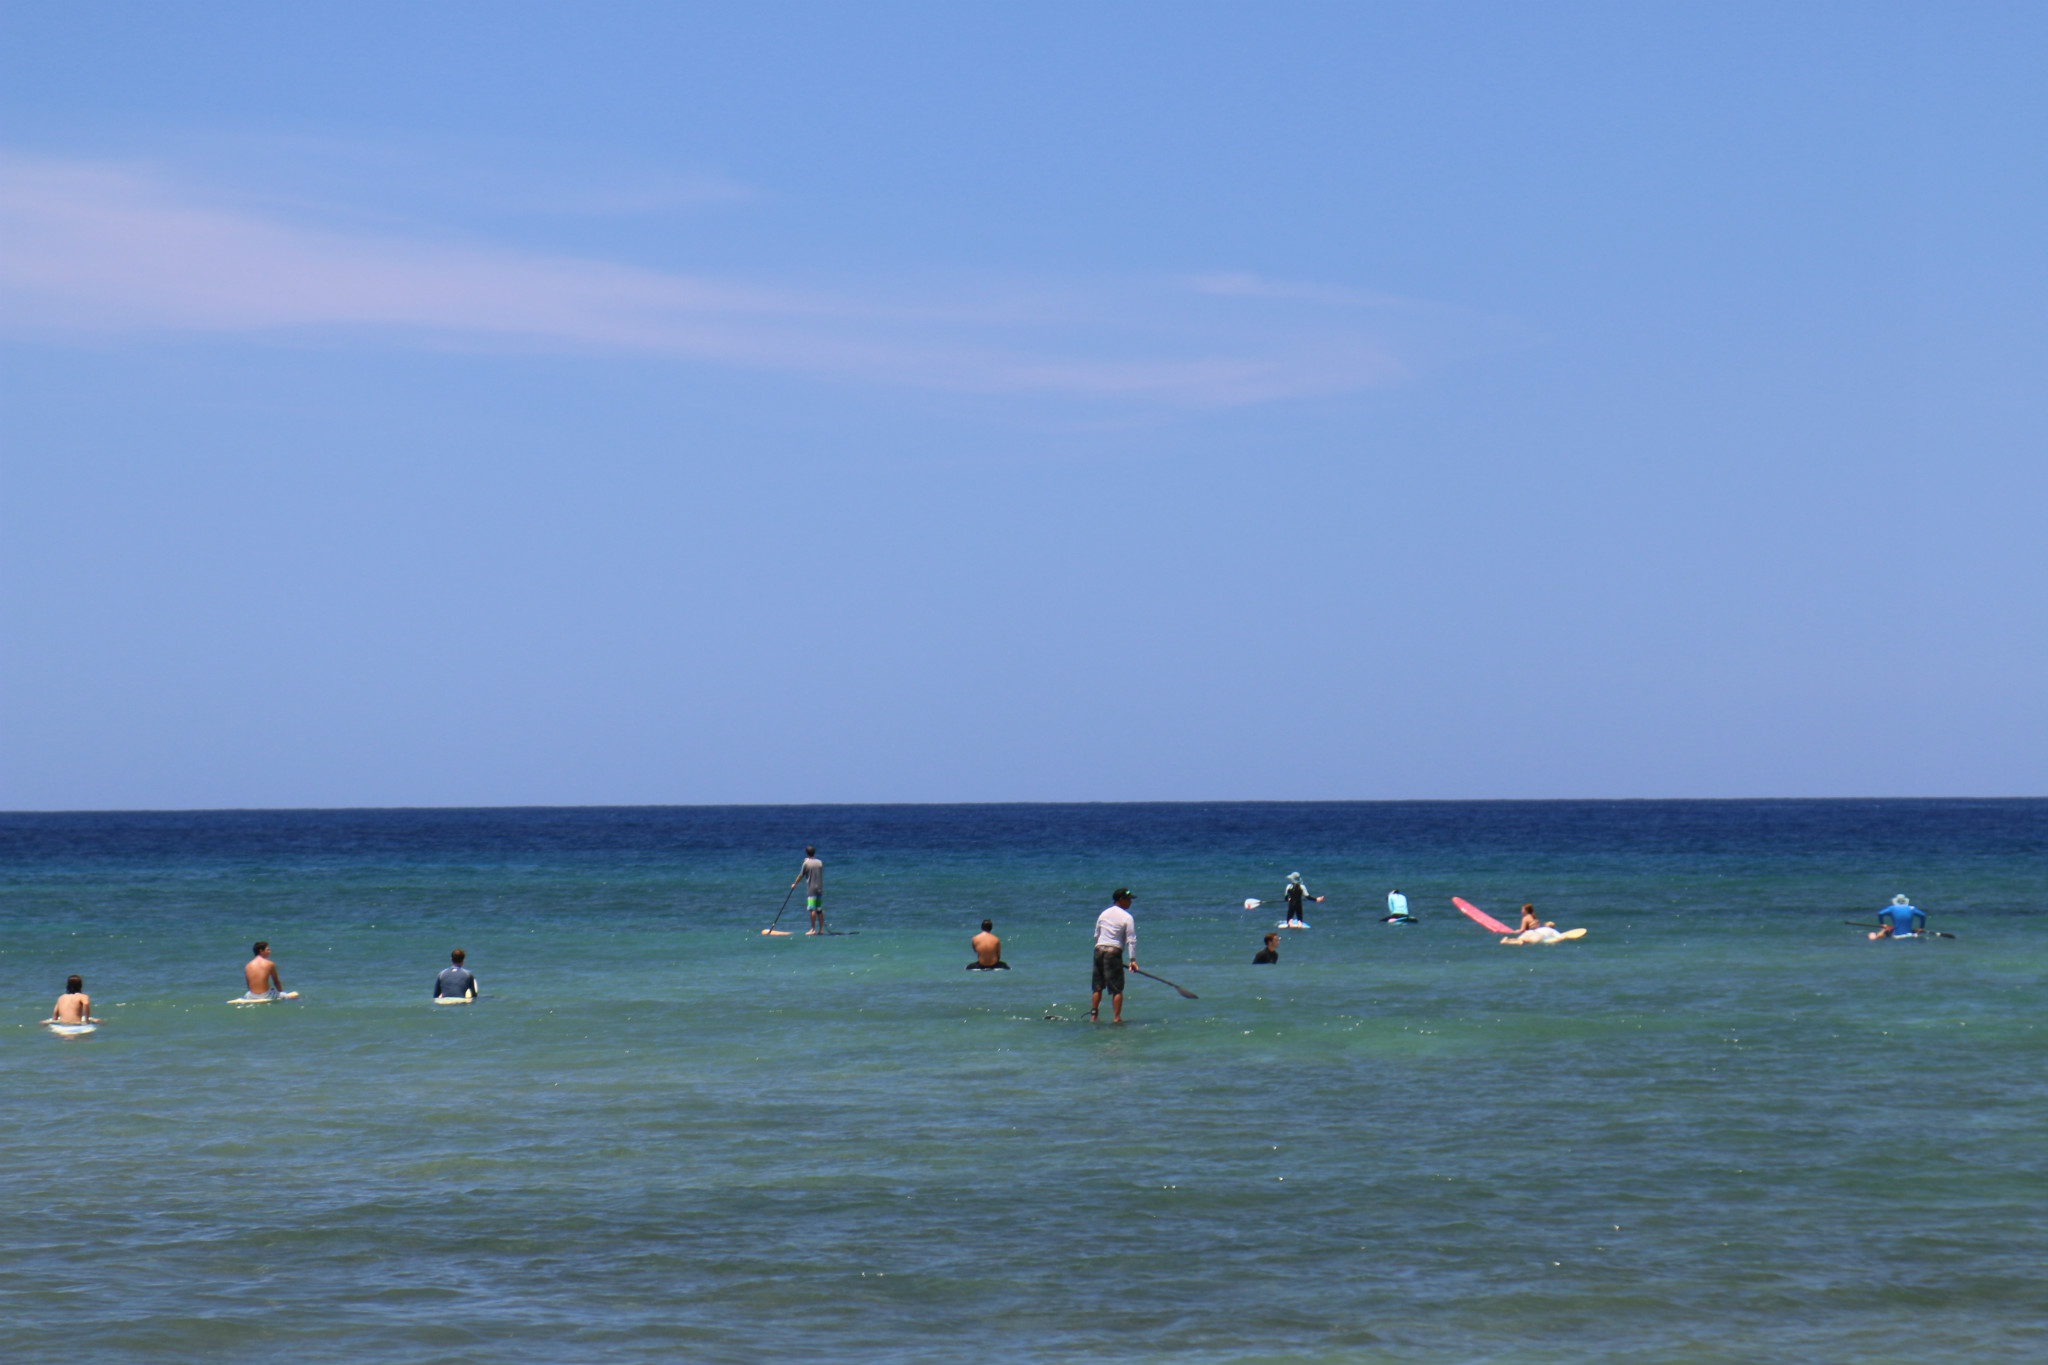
[1900, 900]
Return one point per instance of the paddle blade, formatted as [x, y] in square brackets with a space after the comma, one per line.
[1185, 993]
[1253, 905]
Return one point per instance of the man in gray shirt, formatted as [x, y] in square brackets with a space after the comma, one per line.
[814, 895]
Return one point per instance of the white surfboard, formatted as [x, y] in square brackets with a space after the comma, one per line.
[263, 999]
[72, 1030]
[455, 1000]
[1291, 924]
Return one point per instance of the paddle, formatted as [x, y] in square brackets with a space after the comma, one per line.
[782, 907]
[1186, 994]
[1857, 924]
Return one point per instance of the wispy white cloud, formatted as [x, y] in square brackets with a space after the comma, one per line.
[117, 249]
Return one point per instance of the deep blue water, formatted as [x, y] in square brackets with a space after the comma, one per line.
[1722, 1127]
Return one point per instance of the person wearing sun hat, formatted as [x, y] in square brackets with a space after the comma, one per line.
[1902, 917]
[1295, 893]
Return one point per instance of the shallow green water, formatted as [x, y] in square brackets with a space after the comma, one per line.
[1723, 1127]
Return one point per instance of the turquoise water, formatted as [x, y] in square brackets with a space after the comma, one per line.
[1724, 1127]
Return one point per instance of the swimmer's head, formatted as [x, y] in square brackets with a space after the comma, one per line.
[1272, 940]
[456, 957]
[988, 926]
[261, 947]
[74, 984]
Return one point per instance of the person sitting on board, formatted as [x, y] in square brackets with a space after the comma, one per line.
[456, 982]
[1116, 933]
[74, 1006]
[1295, 892]
[1269, 953]
[988, 950]
[1397, 910]
[1533, 932]
[1900, 917]
[1529, 920]
[261, 975]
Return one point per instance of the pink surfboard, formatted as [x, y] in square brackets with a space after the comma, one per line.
[1484, 920]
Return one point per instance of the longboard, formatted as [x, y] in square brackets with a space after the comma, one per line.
[72, 1030]
[1480, 917]
[1563, 936]
[1291, 924]
[263, 999]
[455, 1000]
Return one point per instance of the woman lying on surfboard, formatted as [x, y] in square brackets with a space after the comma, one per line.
[1534, 930]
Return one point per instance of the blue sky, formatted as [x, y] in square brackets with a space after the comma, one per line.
[433, 404]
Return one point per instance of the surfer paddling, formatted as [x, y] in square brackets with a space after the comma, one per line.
[813, 872]
[261, 975]
[1116, 934]
[1535, 930]
[456, 982]
[74, 1007]
[988, 950]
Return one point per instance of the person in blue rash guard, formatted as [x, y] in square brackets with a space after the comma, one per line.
[1397, 910]
[457, 981]
[1900, 917]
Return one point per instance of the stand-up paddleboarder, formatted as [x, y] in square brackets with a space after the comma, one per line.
[1116, 934]
[813, 871]
[1295, 894]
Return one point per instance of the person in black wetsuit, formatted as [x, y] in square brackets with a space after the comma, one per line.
[1269, 953]
[456, 981]
[1295, 893]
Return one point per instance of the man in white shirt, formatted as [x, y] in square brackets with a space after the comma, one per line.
[1116, 934]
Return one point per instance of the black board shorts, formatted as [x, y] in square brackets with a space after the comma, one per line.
[1109, 970]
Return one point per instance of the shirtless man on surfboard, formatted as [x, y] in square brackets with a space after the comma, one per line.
[261, 974]
[988, 950]
[74, 1006]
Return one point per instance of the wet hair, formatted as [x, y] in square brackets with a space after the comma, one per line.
[810, 850]
[1272, 938]
[75, 984]
[988, 926]
[455, 956]
[261, 944]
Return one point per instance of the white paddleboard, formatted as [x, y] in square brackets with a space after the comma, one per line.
[1291, 924]
[455, 1000]
[263, 999]
[72, 1030]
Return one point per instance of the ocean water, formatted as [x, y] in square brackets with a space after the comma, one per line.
[1723, 1127]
